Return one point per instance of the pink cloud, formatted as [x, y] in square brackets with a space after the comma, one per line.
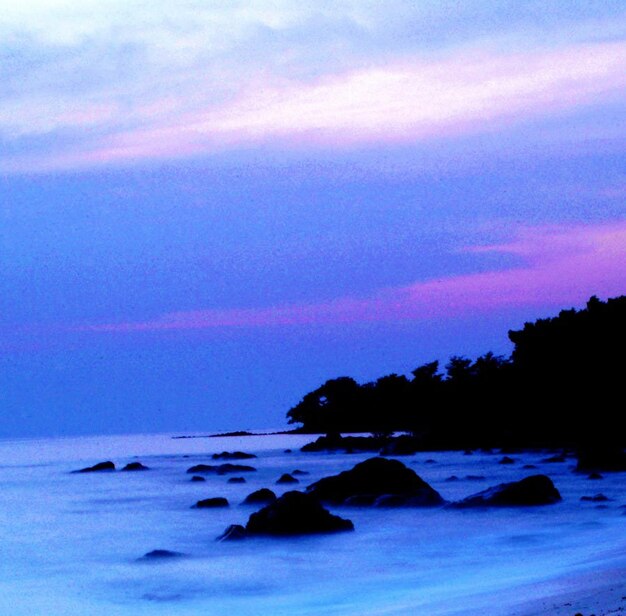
[471, 90]
[562, 266]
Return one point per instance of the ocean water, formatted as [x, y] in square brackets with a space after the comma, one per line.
[71, 543]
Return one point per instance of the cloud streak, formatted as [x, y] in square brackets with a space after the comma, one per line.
[196, 88]
[561, 266]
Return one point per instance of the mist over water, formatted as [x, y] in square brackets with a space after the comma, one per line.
[71, 543]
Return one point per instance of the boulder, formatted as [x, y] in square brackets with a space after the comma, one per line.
[211, 503]
[287, 478]
[299, 473]
[295, 513]
[233, 455]
[135, 466]
[221, 469]
[262, 496]
[533, 490]
[97, 468]
[236, 480]
[197, 478]
[595, 476]
[376, 477]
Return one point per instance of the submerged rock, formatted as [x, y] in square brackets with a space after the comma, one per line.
[233, 455]
[197, 478]
[262, 496]
[233, 533]
[295, 513]
[97, 468]
[211, 503]
[161, 554]
[533, 490]
[377, 477]
[236, 480]
[135, 466]
[595, 476]
[299, 472]
[598, 498]
[506, 460]
[287, 478]
[221, 469]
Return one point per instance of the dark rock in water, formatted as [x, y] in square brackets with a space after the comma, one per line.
[236, 480]
[554, 459]
[287, 478]
[299, 472]
[468, 452]
[533, 490]
[234, 532]
[609, 459]
[262, 496]
[529, 467]
[475, 477]
[350, 444]
[430, 461]
[506, 460]
[233, 455]
[595, 476]
[221, 469]
[288, 451]
[135, 466]
[452, 478]
[373, 478]
[295, 513]
[97, 468]
[598, 498]
[197, 478]
[161, 554]
[211, 503]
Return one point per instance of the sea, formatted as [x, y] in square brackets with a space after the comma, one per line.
[73, 543]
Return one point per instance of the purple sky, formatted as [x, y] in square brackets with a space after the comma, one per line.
[209, 208]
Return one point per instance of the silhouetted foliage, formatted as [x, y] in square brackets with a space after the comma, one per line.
[558, 388]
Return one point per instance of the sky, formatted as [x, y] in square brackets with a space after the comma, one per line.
[209, 208]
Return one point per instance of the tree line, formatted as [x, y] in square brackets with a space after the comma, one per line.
[561, 386]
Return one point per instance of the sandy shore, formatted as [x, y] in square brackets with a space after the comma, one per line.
[599, 592]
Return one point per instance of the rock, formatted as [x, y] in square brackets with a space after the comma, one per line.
[298, 472]
[97, 468]
[233, 455]
[236, 480]
[506, 460]
[598, 498]
[135, 466]
[262, 496]
[452, 478]
[197, 478]
[374, 478]
[288, 451]
[430, 461]
[554, 459]
[468, 452]
[211, 503]
[529, 467]
[295, 513]
[533, 490]
[287, 478]
[161, 554]
[221, 469]
[595, 476]
[234, 532]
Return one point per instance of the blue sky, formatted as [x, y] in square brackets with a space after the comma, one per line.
[208, 209]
